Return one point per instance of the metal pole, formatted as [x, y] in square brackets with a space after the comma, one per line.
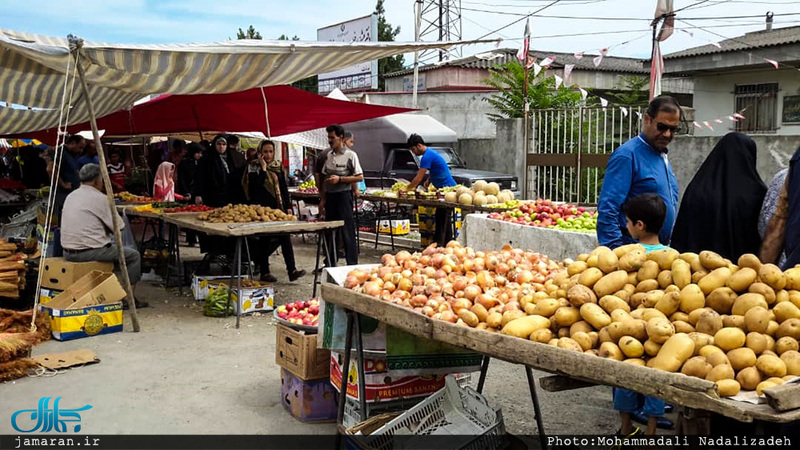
[441, 29]
[77, 44]
[525, 136]
[416, 57]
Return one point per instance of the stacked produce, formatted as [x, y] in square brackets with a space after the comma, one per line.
[300, 312]
[245, 213]
[735, 324]
[481, 194]
[12, 270]
[545, 214]
[189, 209]
[458, 284]
[309, 187]
[130, 198]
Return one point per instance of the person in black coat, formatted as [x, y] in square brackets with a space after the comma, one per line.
[264, 183]
[218, 173]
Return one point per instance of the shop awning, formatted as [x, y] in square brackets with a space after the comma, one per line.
[274, 111]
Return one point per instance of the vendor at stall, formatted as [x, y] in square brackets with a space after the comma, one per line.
[216, 175]
[432, 163]
[87, 227]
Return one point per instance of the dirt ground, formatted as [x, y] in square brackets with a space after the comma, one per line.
[184, 373]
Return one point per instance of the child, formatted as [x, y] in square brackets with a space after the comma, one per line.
[645, 216]
[164, 185]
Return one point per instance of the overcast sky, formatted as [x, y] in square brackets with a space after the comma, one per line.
[182, 21]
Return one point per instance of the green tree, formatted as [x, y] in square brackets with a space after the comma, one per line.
[387, 33]
[631, 90]
[509, 79]
[251, 33]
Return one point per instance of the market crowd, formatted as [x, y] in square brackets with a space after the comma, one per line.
[726, 208]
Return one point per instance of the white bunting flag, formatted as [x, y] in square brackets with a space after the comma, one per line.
[738, 116]
[578, 55]
[773, 62]
[698, 125]
[583, 93]
[624, 111]
[597, 60]
[639, 115]
[716, 44]
[733, 119]
[688, 32]
[547, 61]
[708, 125]
[604, 51]
[718, 120]
[536, 69]
[568, 70]
[603, 102]
[559, 80]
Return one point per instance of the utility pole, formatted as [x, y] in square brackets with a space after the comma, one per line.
[441, 20]
[417, 25]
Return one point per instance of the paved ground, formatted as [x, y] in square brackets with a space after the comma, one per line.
[189, 374]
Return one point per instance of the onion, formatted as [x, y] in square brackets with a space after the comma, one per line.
[440, 274]
[459, 253]
[471, 292]
[500, 280]
[437, 260]
[372, 289]
[389, 286]
[386, 258]
[460, 283]
[485, 280]
[524, 276]
[402, 256]
[418, 300]
[405, 285]
[459, 304]
[502, 268]
[486, 301]
[478, 264]
[429, 250]
[350, 282]
[418, 280]
[469, 265]
[433, 289]
[410, 265]
[395, 279]
[511, 306]
[491, 262]
[448, 316]
[425, 260]
[428, 311]
[429, 272]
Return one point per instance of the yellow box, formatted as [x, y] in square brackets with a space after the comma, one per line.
[399, 227]
[46, 295]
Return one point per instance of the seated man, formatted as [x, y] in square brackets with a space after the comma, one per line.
[86, 227]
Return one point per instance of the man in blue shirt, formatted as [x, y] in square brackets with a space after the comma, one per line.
[432, 163]
[638, 167]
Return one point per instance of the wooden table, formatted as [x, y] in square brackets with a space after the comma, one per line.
[241, 231]
[675, 388]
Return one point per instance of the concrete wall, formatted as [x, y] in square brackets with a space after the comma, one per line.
[463, 112]
[714, 99]
[479, 154]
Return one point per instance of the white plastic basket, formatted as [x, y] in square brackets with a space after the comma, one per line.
[461, 413]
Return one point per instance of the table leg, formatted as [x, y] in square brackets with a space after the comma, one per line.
[378, 218]
[391, 231]
[320, 237]
[237, 258]
[362, 388]
[238, 280]
[348, 345]
[144, 234]
[178, 261]
[358, 232]
[249, 259]
[537, 411]
[170, 242]
[484, 370]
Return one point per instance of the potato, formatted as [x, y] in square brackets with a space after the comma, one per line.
[494, 320]
[781, 296]
[675, 351]
[709, 322]
[681, 273]
[756, 342]
[583, 340]
[553, 342]
[728, 388]
[748, 378]
[720, 372]
[562, 332]
[580, 294]
[669, 303]
[633, 279]
[757, 319]
[700, 340]
[663, 257]
[469, 317]
[773, 276]
[683, 327]
[618, 315]
[770, 343]
[777, 380]
[659, 330]
[611, 283]
[794, 297]
[604, 336]
[530, 308]
[566, 316]
[771, 366]
[785, 344]
[582, 325]
[590, 276]
[733, 322]
[524, 326]
[749, 260]
[711, 261]
[764, 385]
[649, 313]
[792, 278]
[741, 358]
[610, 302]
[773, 326]
[635, 362]
[765, 290]
[480, 311]
[582, 257]
[637, 299]
[789, 327]
[607, 261]
[510, 315]
[716, 279]
[786, 310]
[791, 358]
[651, 298]
[651, 348]
[628, 249]
[569, 344]
[696, 366]
[692, 298]
[611, 351]
[546, 307]
[632, 261]
[595, 315]
[729, 338]
[747, 301]
[631, 347]
[672, 288]
[542, 335]
[695, 315]
[577, 267]
[679, 315]
[633, 327]
[664, 278]
[742, 279]
[721, 300]
[715, 357]
[648, 271]
[693, 259]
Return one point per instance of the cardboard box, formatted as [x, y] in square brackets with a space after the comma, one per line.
[61, 274]
[399, 227]
[41, 216]
[380, 385]
[297, 352]
[46, 295]
[89, 307]
[308, 400]
[249, 300]
[201, 283]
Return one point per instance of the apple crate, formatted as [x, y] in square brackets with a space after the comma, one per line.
[302, 314]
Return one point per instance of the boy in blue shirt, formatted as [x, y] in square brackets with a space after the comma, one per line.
[432, 163]
[644, 215]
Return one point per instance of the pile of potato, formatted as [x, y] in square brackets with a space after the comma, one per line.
[245, 213]
[735, 324]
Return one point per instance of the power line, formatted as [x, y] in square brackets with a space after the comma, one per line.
[639, 19]
[520, 19]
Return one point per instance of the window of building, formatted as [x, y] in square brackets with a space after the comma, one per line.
[759, 105]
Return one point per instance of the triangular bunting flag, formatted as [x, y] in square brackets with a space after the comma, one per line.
[624, 111]
[708, 125]
[639, 115]
[773, 62]
[547, 61]
[559, 80]
[583, 93]
[718, 120]
[604, 51]
[698, 125]
[536, 69]
[716, 44]
[738, 116]
[597, 60]
[578, 55]
[733, 119]
[688, 32]
[603, 102]
[568, 70]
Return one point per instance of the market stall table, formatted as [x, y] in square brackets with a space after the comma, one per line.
[241, 231]
[675, 388]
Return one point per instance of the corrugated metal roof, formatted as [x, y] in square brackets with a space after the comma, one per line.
[756, 39]
[502, 56]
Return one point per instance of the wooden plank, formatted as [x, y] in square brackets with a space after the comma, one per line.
[558, 383]
[265, 228]
[784, 397]
[552, 159]
[673, 387]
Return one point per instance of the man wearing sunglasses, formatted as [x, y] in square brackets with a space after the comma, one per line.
[641, 166]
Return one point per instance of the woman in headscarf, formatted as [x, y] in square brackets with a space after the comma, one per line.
[164, 186]
[783, 230]
[264, 183]
[721, 206]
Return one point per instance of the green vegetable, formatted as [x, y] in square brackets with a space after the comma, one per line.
[216, 303]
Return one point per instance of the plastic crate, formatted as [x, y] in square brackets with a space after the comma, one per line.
[461, 413]
[352, 417]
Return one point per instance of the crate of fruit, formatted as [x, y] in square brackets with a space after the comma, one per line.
[300, 315]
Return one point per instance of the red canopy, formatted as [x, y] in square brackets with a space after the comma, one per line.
[289, 110]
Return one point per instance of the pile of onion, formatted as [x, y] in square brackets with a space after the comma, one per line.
[440, 282]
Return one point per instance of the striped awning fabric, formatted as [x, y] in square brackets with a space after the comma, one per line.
[35, 71]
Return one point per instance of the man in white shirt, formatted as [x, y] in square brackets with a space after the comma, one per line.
[87, 227]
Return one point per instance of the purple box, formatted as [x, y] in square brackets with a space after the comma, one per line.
[309, 400]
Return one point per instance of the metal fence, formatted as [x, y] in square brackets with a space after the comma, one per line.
[570, 149]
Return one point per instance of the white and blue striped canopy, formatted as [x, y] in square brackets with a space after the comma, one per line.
[34, 68]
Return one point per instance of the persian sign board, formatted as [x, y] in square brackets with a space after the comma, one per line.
[359, 76]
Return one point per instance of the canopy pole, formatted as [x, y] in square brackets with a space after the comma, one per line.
[77, 44]
[266, 112]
